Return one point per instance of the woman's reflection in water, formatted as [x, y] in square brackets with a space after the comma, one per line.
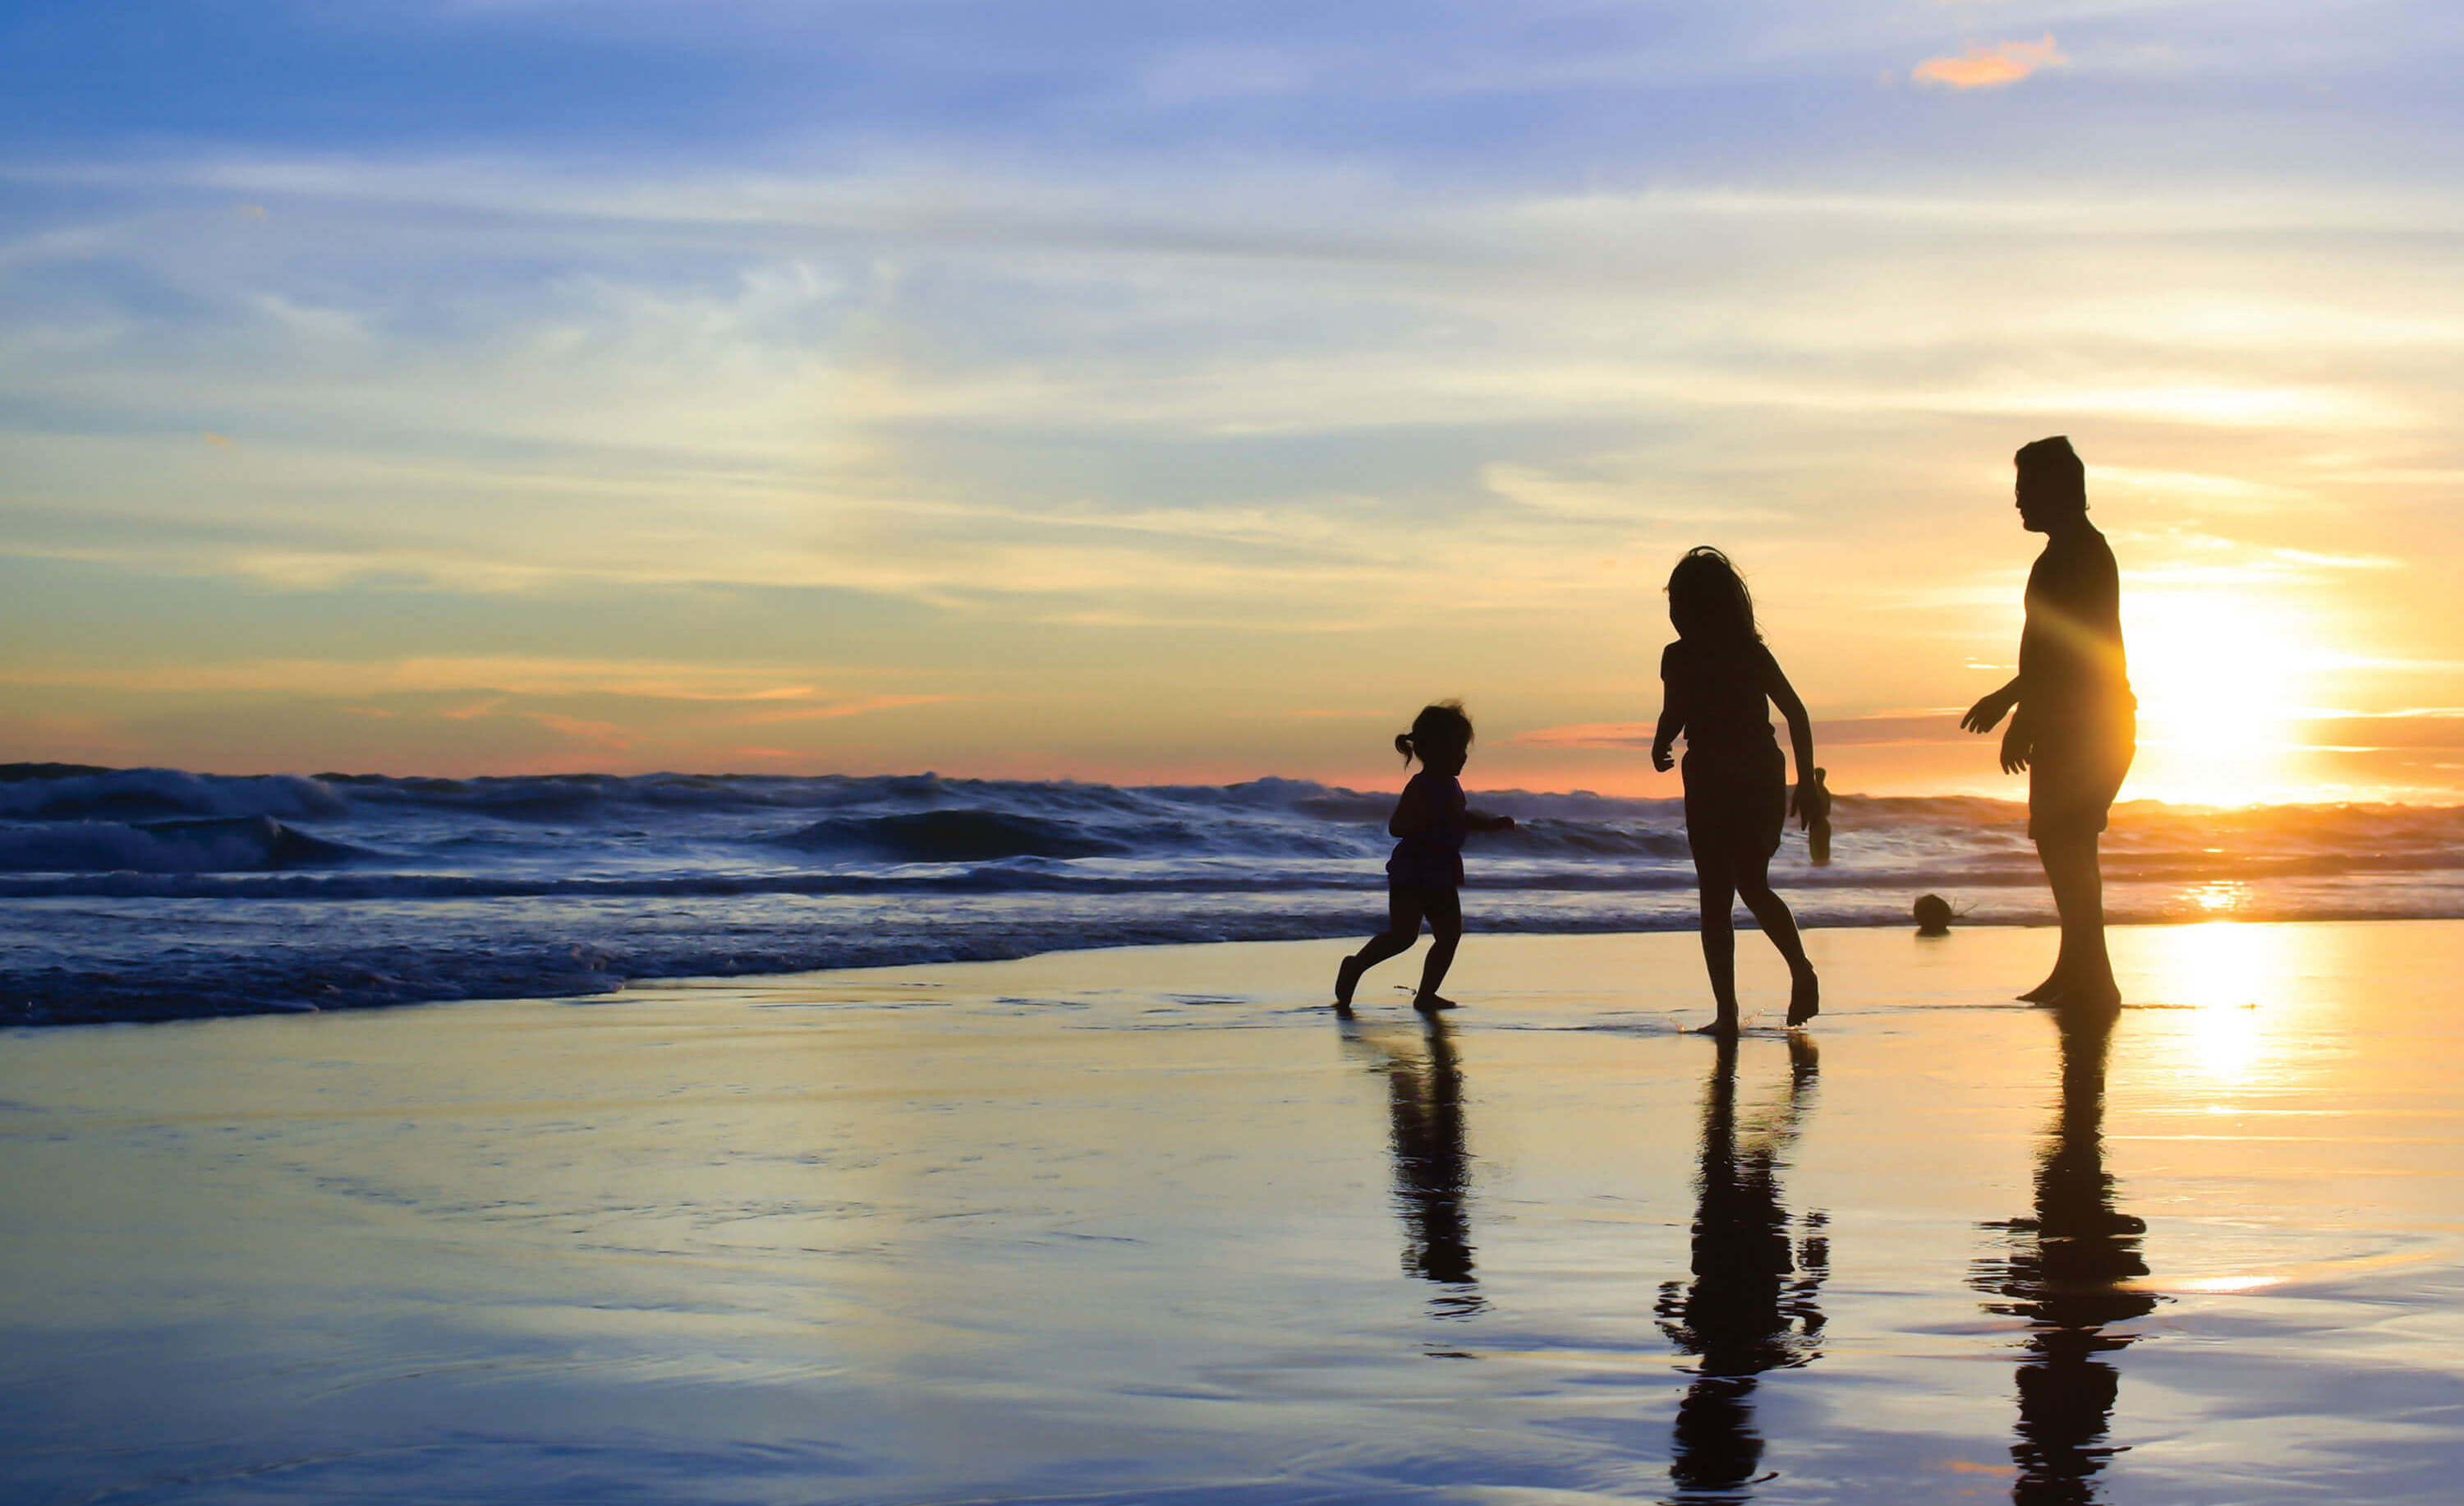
[2067, 1273]
[1752, 1304]
[1432, 1168]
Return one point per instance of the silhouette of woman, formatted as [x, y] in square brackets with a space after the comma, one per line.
[1751, 1306]
[1718, 683]
[2067, 1273]
[2073, 722]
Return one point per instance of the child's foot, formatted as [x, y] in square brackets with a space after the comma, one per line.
[1431, 1003]
[2046, 992]
[1804, 998]
[1725, 1025]
[1347, 979]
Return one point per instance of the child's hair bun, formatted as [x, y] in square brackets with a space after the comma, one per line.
[1403, 745]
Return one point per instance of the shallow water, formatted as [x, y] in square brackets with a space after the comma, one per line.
[1150, 1225]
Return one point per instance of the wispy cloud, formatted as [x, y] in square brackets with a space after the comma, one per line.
[1990, 65]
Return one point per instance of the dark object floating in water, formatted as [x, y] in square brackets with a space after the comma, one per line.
[1933, 915]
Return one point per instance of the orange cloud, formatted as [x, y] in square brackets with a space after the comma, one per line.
[1983, 67]
[1589, 735]
[844, 708]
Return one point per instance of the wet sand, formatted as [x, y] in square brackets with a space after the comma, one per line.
[1151, 1226]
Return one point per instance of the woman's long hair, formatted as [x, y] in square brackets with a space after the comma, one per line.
[1708, 599]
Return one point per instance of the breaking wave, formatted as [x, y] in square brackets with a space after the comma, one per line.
[142, 892]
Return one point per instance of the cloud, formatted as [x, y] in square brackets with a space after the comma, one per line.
[1984, 67]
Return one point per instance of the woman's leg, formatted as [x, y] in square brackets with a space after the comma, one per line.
[1719, 891]
[1402, 929]
[1446, 933]
[1772, 913]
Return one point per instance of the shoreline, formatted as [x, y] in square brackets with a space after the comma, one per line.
[35, 1017]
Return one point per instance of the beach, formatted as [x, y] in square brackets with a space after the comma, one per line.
[1150, 1223]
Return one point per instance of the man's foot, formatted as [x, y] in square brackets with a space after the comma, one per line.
[1346, 979]
[1431, 1003]
[1804, 998]
[2102, 994]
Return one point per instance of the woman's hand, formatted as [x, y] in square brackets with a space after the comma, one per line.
[1661, 759]
[1809, 802]
[1987, 713]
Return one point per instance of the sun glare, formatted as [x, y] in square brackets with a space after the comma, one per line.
[2223, 680]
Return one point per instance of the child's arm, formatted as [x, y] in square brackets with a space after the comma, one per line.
[1482, 821]
[1809, 800]
[1672, 721]
[1412, 813]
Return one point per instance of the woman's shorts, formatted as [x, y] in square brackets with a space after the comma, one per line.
[2074, 772]
[1736, 803]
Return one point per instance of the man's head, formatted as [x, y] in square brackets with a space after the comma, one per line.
[2053, 484]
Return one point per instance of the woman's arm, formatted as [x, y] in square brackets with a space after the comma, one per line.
[1672, 721]
[1805, 802]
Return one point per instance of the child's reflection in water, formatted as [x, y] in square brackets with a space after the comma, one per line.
[1432, 1168]
[2066, 1273]
[1751, 1306]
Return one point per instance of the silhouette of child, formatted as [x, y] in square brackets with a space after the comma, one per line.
[1426, 871]
[1716, 679]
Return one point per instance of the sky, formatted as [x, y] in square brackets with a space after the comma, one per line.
[1149, 393]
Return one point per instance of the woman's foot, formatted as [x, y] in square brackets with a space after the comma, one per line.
[1347, 981]
[1804, 996]
[1431, 1003]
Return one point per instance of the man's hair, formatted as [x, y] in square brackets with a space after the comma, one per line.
[2055, 461]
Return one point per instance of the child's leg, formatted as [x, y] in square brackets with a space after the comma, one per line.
[1719, 890]
[1772, 913]
[1402, 929]
[1446, 933]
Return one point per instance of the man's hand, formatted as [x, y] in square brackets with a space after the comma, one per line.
[1988, 714]
[2017, 746]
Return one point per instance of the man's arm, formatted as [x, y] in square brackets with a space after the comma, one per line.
[1987, 713]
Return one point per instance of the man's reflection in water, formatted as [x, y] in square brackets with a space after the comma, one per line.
[1751, 1306]
[1432, 1168]
[2066, 1274]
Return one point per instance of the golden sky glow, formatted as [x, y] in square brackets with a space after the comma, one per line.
[1192, 403]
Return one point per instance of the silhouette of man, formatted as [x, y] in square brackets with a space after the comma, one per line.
[2070, 1272]
[2073, 722]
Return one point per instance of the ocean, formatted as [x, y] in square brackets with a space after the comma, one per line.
[148, 893]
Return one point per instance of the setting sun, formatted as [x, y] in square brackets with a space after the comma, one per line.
[2223, 680]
